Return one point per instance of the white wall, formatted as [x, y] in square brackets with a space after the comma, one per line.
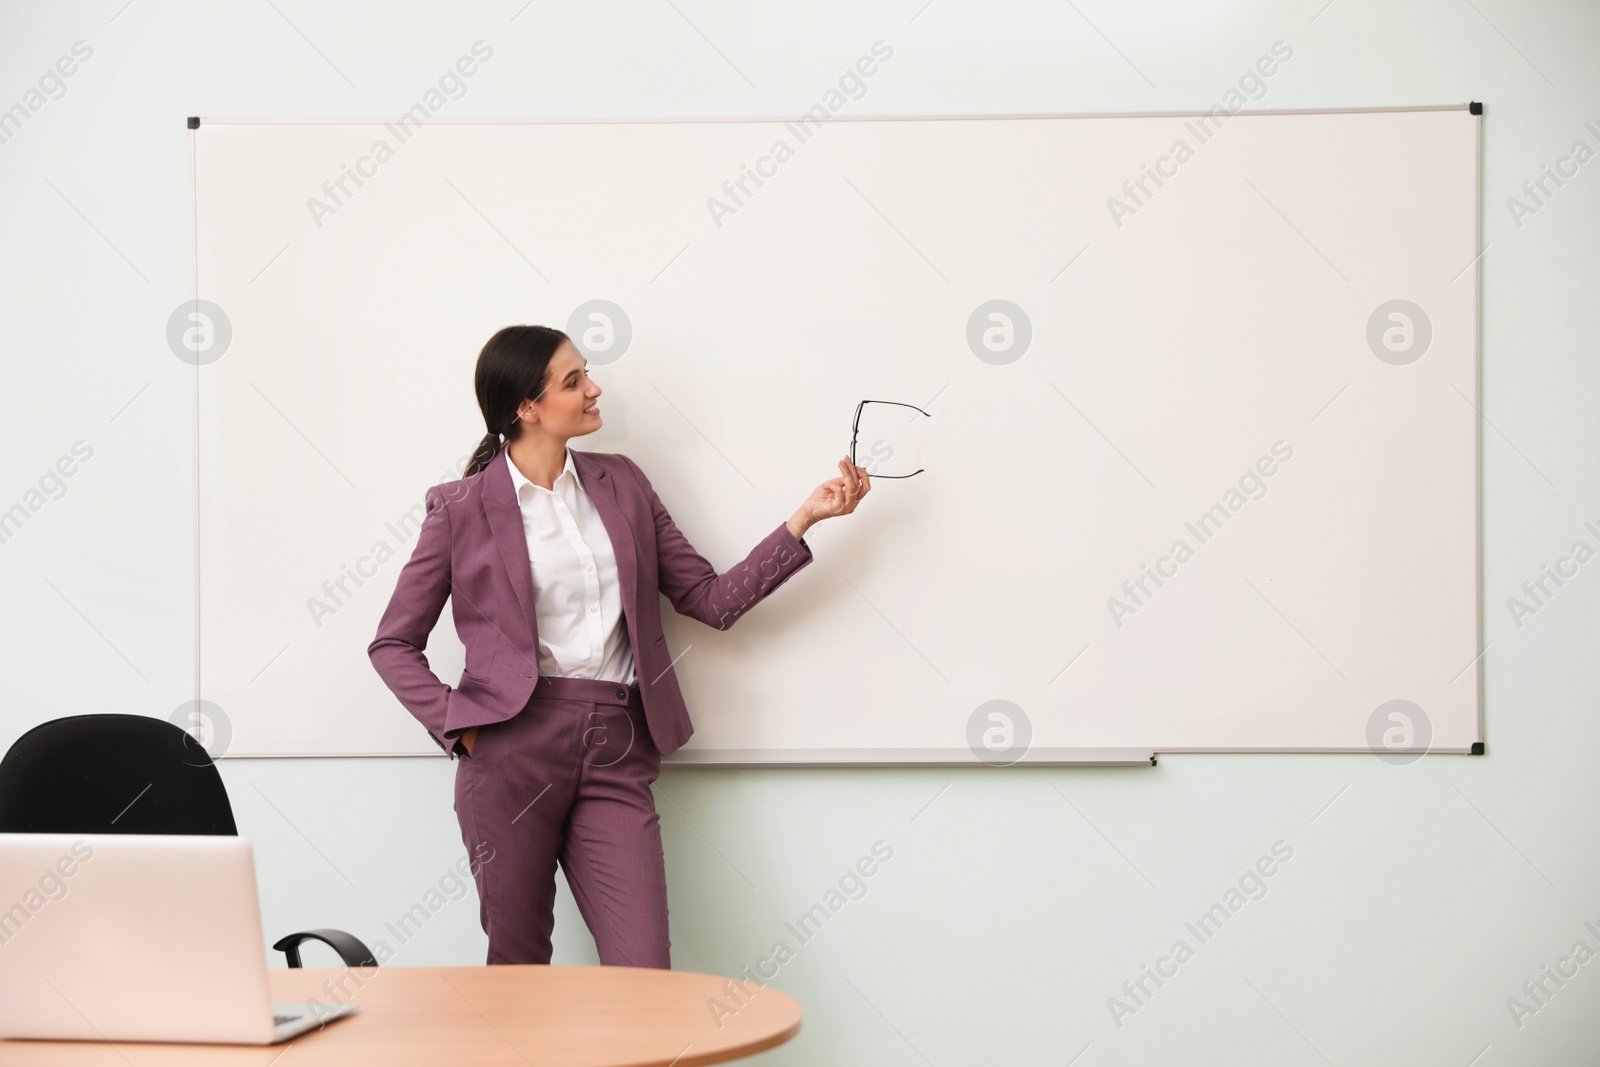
[1418, 898]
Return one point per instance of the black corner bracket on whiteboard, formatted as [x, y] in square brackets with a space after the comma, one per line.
[1475, 108]
[1477, 748]
[194, 120]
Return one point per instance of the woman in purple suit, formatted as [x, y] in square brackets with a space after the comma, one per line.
[553, 560]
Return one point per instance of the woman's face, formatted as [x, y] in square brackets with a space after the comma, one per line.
[568, 392]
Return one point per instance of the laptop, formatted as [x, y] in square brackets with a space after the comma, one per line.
[138, 937]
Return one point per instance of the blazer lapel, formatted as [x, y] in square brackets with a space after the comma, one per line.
[505, 523]
[602, 491]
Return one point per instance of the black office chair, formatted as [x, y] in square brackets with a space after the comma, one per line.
[129, 774]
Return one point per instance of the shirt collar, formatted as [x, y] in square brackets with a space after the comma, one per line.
[518, 480]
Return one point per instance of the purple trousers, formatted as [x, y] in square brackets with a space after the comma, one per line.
[567, 780]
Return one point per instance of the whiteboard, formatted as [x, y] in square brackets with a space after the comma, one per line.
[1264, 348]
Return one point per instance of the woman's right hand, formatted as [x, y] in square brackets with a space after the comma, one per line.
[469, 737]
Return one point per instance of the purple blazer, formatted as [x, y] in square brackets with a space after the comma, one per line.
[472, 550]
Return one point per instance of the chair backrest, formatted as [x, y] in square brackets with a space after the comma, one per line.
[111, 774]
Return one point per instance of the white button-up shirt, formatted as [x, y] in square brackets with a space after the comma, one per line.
[576, 590]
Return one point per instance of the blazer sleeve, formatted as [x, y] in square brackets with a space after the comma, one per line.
[419, 596]
[693, 584]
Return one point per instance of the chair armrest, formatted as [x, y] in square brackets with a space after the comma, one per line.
[349, 947]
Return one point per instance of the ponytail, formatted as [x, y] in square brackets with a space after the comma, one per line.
[487, 449]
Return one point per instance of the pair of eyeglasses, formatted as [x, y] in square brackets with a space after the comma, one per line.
[855, 429]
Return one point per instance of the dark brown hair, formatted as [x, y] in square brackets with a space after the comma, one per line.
[511, 368]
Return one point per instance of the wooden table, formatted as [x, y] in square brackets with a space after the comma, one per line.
[523, 1015]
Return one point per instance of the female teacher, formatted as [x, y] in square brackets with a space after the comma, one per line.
[553, 559]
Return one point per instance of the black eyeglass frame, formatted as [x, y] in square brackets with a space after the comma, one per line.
[855, 427]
